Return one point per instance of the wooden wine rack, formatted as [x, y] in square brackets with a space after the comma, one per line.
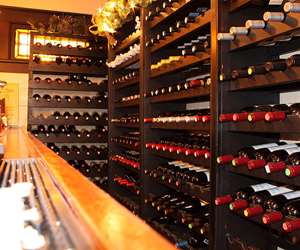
[63, 88]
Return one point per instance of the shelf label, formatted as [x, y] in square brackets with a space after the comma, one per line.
[279, 190]
[261, 187]
[268, 145]
[292, 195]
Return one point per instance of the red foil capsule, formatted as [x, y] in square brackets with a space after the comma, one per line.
[224, 159]
[159, 146]
[272, 217]
[195, 83]
[148, 120]
[255, 164]
[173, 149]
[189, 151]
[206, 118]
[238, 117]
[292, 171]
[226, 117]
[199, 153]
[275, 116]
[275, 167]
[253, 211]
[238, 204]
[240, 161]
[180, 150]
[292, 225]
[222, 200]
[198, 118]
[256, 116]
[207, 155]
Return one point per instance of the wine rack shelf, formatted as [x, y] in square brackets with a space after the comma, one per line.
[127, 167]
[169, 12]
[128, 63]
[127, 146]
[187, 61]
[62, 138]
[74, 156]
[80, 52]
[133, 103]
[62, 121]
[73, 86]
[201, 192]
[181, 157]
[183, 126]
[181, 95]
[289, 125]
[278, 177]
[272, 30]
[127, 125]
[78, 77]
[63, 104]
[272, 79]
[275, 228]
[54, 68]
[127, 84]
[236, 5]
[200, 22]
[128, 41]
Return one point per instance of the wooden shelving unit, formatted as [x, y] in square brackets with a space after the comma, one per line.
[150, 106]
[40, 110]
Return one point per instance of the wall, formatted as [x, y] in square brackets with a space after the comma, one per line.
[16, 97]
[75, 6]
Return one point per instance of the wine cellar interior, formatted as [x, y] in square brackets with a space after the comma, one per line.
[150, 125]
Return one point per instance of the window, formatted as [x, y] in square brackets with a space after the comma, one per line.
[22, 44]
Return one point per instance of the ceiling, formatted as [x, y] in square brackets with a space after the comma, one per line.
[75, 6]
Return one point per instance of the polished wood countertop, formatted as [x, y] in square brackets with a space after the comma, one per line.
[110, 224]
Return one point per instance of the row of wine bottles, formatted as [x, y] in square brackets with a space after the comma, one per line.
[79, 61]
[82, 150]
[272, 203]
[69, 46]
[96, 172]
[79, 80]
[130, 98]
[201, 115]
[269, 113]
[128, 202]
[156, 9]
[269, 18]
[132, 138]
[124, 160]
[273, 157]
[202, 41]
[166, 62]
[129, 119]
[125, 78]
[76, 116]
[178, 173]
[123, 57]
[174, 232]
[68, 131]
[68, 99]
[184, 209]
[268, 67]
[195, 83]
[196, 145]
[128, 182]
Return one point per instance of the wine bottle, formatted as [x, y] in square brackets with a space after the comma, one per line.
[66, 115]
[59, 60]
[66, 150]
[77, 99]
[96, 116]
[48, 80]
[62, 129]
[67, 98]
[57, 98]
[58, 80]
[86, 116]
[47, 98]
[277, 65]
[88, 99]
[37, 59]
[37, 79]
[56, 115]
[76, 150]
[85, 150]
[51, 128]
[36, 97]
[41, 128]
[69, 61]
[76, 115]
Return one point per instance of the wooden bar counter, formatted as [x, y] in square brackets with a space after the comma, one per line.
[110, 225]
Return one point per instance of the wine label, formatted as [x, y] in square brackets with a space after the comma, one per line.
[267, 145]
[279, 190]
[261, 187]
[282, 147]
[292, 195]
[275, 2]
[293, 150]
